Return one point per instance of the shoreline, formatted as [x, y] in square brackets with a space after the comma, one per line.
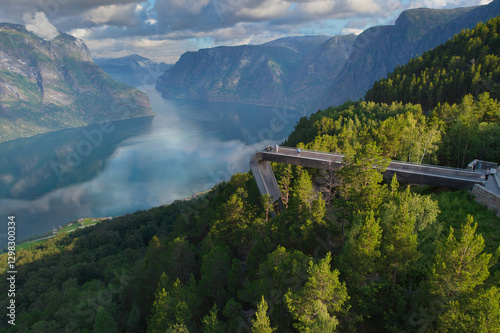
[82, 223]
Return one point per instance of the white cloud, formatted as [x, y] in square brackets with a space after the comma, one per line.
[268, 10]
[368, 6]
[347, 31]
[40, 25]
[166, 50]
[79, 33]
[318, 7]
[118, 15]
[446, 3]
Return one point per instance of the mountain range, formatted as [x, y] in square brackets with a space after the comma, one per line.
[48, 85]
[266, 74]
[313, 72]
[133, 69]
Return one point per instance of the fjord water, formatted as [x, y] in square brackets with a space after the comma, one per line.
[125, 166]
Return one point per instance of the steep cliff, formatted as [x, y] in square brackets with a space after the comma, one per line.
[48, 85]
[378, 50]
[317, 69]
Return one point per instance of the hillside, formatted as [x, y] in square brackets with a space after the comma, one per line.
[283, 72]
[52, 85]
[378, 50]
[133, 69]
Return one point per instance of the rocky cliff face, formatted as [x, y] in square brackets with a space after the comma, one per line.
[317, 69]
[133, 70]
[378, 50]
[51, 85]
[285, 72]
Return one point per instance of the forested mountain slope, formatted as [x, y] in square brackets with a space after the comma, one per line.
[207, 264]
[469, 63]
[348, 254]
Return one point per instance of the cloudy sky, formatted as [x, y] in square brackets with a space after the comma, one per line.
[164, 29]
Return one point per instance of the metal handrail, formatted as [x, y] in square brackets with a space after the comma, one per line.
[395, 161]
[430, 165]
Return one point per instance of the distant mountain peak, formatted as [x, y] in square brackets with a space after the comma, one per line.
[134, 70]
[135, 56]
[420, 21]
[12, 26]
[299, 44]
[293, 40]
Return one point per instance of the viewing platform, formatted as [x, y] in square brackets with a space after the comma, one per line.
[406, 172]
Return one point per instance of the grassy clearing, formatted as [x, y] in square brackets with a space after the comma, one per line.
[456, 205]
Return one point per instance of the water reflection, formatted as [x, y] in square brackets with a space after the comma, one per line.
[34, 166]
[187, 148]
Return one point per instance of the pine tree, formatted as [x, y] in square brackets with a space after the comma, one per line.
[211, 324]
[267, 204]
[172, 306]
[104, 322]
[460, 266]
[361, 253]
[177, 328]
[285, 184]
[235, 277]
[150, 272]
[214, 271]
[303, 192]
[261, 323]
[399, 243]
[181, 261]
[317, 303]
[232, 220]
[318, 210]
[477, 313]
[158, 321]
[282, 271]
[360, 179]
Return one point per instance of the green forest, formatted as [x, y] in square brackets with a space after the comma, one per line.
[350, 253]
